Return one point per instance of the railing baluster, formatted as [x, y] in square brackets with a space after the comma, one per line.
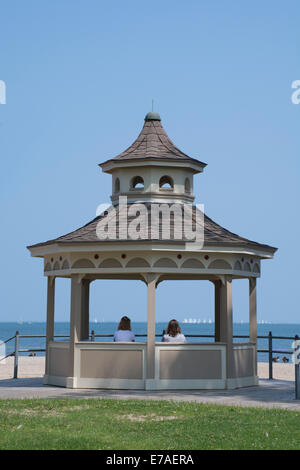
[16, 361]
[270, 356]
[297, 371]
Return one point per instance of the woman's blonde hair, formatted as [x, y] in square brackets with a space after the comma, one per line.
[124, 324]
[173, 328]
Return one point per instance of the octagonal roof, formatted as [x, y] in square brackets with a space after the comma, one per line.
[153, 143]
[214, 234]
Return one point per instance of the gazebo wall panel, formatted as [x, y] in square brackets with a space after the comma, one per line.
[244, 361]
[59, 361]
[111, 364]
[189, 365]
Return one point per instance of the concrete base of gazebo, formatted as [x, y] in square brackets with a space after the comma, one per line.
[124, 366]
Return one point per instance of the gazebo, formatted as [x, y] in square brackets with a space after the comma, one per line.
[152, 174]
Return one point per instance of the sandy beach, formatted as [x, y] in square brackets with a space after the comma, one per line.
[35, 366]
[28, 367]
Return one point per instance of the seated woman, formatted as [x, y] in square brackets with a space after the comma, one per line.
[173, 334]
[124, 333]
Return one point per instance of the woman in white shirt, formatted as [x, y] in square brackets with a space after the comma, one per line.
[173, 333]
[124, 333]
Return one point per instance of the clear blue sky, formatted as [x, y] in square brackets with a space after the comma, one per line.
[80, 77]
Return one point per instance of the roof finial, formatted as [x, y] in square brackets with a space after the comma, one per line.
[152, 116]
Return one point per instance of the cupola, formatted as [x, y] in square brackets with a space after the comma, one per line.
[153, 169]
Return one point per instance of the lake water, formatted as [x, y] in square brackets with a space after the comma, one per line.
[27, 328]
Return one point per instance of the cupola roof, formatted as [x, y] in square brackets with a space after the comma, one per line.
[153, 143]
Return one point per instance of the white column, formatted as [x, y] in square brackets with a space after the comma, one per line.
[76, 309]
[217, 285]
[85, 314]
[226, 323]
[50, 318]
[253, 316]
[75, 321]
[151, 286]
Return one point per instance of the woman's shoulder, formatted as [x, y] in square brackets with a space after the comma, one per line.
[178, 337]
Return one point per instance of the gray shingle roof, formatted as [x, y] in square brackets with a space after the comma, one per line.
[214, 234]
[153, 143]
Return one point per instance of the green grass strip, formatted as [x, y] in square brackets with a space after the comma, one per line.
[143, 424]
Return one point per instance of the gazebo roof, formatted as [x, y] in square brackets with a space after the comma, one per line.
[214, 235]
[153, 143]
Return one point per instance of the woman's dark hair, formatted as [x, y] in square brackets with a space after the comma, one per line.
[173, 328]
[124, 324]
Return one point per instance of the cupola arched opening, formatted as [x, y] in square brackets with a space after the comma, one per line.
[137, 182]
[187, 186]
[166, 182]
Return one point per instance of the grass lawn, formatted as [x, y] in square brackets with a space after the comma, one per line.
[138, 424]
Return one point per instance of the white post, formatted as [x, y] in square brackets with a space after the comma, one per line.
[253, 317]
[50, 319]
[151, 280]
[226, 323]
[75, 321]
[217, 285]
[85, 314]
